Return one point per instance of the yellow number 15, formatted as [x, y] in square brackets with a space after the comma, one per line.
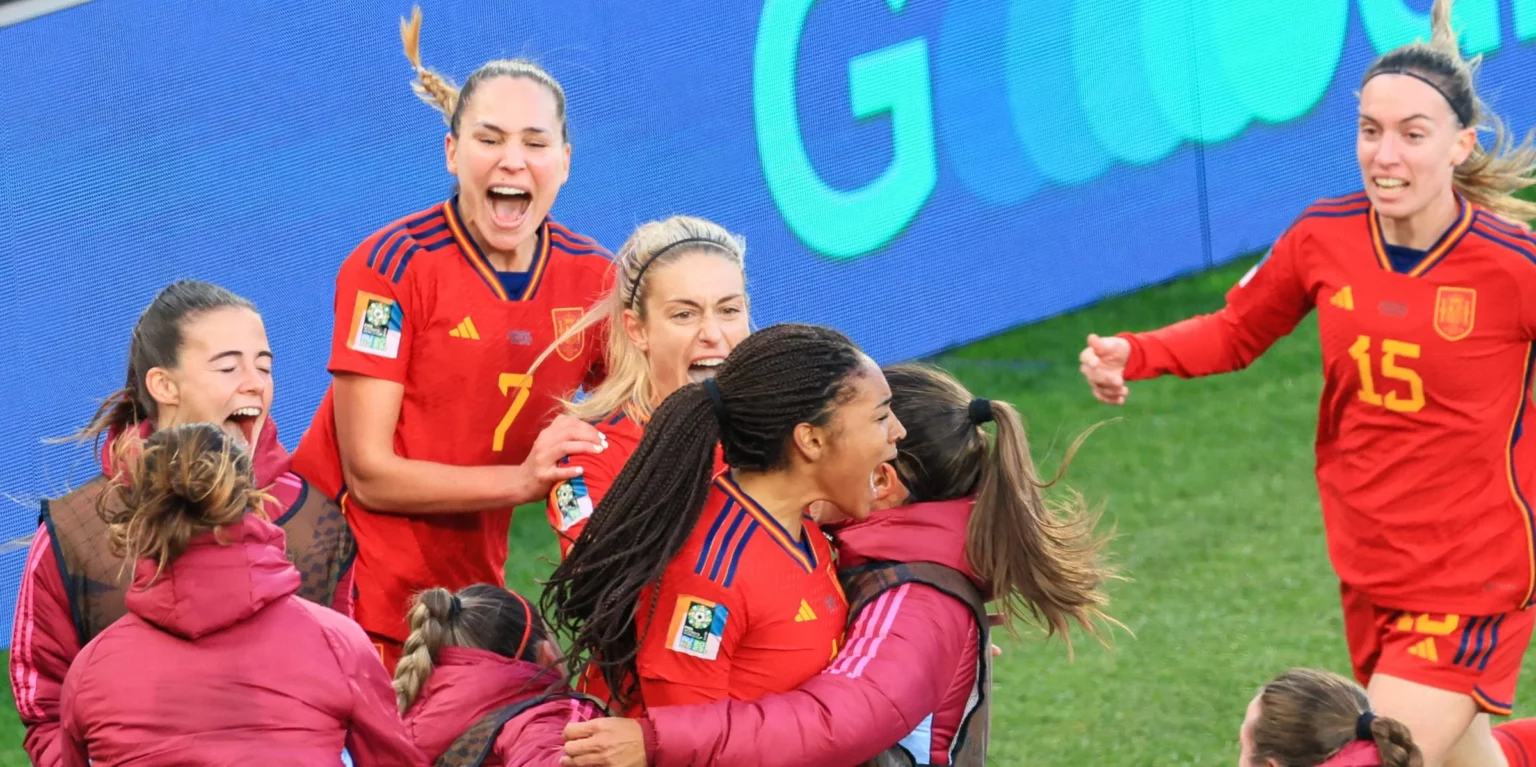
[1390, 351]
[522, 382]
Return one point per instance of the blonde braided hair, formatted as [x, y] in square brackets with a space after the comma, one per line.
[430, 85]
[447, 97]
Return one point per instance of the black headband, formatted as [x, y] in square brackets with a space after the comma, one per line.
[1462, 114]
[716, 402]
[634, 286]
[1363, 726]
[980, 411]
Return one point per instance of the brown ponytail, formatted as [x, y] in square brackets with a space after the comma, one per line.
[185, 481]
[1307, 716]
[1039, 557]
[481, 617]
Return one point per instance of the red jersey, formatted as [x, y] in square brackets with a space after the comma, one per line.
[418, 303]
[1422, 466]
[571, 502]
[745, 609]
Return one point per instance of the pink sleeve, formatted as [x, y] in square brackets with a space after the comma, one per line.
[68, 745]
[536, 738]
[43, 645]
[891, 674]
[375, 733]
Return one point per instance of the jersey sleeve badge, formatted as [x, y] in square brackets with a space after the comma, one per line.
[697, 626]
[573, 502]
[376, 325]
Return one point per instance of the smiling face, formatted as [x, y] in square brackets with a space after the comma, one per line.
[510, 160]
[695, 313]
[1408, 145]
[222, 375]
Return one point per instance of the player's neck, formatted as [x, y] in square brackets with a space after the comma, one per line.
[517, 260]
[1423, 229]
[778, 492]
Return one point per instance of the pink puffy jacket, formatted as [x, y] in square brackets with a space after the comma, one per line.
[219, 663]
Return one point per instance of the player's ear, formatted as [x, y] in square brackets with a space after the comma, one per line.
[1466, 141]
[450, 152]
[565, 169]
[809, 442]
[548, 653]
[890, 491]
[162, 387]
[635, 329]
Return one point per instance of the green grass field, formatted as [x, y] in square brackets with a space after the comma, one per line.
[1208, 484]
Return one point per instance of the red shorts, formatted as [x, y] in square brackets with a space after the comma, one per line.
[1476, 655]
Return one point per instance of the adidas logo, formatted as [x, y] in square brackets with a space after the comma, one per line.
[806, 613]
[1344, 299]
[1425, 649]
[466, 329]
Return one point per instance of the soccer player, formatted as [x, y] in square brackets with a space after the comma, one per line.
[1309, 718]
[958, 520]
[691, 586]
[430, 432]
[1426, 301]
[678, 306]
[217, 660]
[198, 353]
[478, 678]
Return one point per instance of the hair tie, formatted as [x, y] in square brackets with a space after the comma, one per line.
[716, 402]
[455, 607]
[1363, 726]
[634, 285]
[527, 624]
[981, 411]
[1465, 118]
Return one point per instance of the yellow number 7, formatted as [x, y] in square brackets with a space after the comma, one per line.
[507, 382]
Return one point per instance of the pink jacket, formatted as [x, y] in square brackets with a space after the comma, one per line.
[467, 684]
[44, 641]
[905, 672]
[217, 662]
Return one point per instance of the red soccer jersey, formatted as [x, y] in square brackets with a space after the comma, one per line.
[1422, 467]
[571, 502]
[744, 610]
[418, 303]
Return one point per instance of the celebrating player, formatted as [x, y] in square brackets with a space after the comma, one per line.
[741, 585]
[199, 353]
[958, 520]
[1307, 718]
[430, 433]
[477, 679]
[677, 308]
[1426, 303]
[217, 658]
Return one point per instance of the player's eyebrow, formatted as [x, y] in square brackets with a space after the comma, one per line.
[731, 297]
[233, 353]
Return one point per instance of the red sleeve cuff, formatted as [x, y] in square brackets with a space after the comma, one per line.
[1136, 363]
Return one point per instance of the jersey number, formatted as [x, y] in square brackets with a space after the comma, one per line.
[522, 382]
[1390, 351]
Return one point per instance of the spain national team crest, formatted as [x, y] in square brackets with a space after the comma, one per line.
[1455, 312]
[565, 319]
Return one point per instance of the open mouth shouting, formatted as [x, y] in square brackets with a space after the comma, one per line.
[704, 368]
[509, 205]
[243, 425]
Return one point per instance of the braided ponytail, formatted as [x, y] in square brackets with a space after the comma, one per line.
[430, 85]
[480, 617]
[431, 620]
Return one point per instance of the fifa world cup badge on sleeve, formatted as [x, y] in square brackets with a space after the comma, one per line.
[572, 501]
[376, 323]
[697, 626]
